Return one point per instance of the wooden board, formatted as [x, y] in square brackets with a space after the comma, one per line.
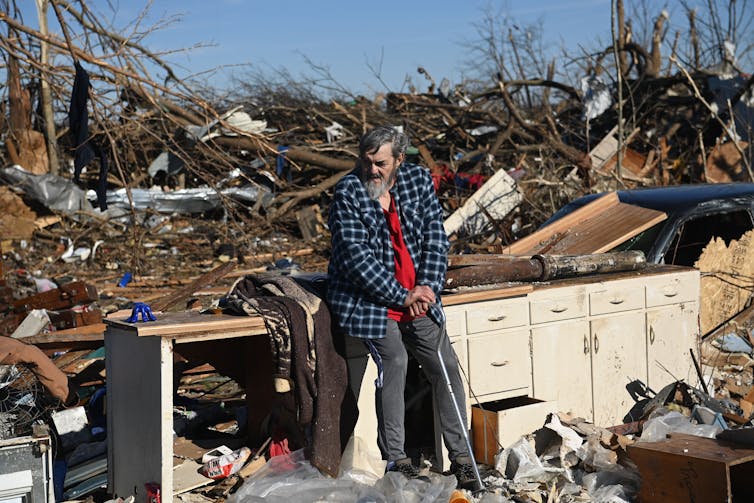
[187, 477]
[607, 230]
[479, 294]
[597, 229]
[190, 324]
[535, 239]
[87, 333]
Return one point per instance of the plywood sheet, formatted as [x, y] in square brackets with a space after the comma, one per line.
[726, 279]
[597, 227]
[186, 477]
[541, 237]
[605, 231]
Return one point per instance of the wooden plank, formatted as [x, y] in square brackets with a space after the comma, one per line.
[607, 230]
[478, 294]
[495, 199]
[69, 357]
[178, 324]
[68, 295]
[78, 334]
[186, 477]
[600, 232]
[186, 291]
[535, 240]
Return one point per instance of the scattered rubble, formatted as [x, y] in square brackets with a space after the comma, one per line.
[155, 192]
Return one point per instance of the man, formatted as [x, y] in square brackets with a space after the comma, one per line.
[388, 265]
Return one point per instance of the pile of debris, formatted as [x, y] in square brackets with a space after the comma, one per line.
[265, 162]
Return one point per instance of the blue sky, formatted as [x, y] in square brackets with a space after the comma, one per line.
[347, 36]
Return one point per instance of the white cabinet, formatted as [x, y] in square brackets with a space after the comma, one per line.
[581, 341]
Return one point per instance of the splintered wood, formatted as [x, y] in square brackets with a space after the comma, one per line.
[18, 219]
[726, 283]
[595, 228]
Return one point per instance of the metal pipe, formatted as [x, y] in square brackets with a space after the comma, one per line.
[478, 477]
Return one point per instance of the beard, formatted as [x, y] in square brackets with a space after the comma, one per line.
[376, 187]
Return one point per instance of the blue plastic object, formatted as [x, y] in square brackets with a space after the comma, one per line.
[280, 162]
[126, 279]
[140, 308]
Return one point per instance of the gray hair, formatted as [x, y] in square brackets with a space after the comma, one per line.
[380, 135]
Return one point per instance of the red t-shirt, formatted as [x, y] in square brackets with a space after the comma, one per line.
[405, 272]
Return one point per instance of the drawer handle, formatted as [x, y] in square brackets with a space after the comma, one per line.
[497, 318]
[616, 301]
[500, 364]
[596, 344]
[668, 292]
[559, 309]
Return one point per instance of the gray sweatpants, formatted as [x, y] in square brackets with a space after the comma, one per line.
[421, 337]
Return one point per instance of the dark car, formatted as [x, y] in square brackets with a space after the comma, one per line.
[696, 214]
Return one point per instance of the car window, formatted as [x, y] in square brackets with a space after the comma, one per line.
[694, 234]
[642, 241]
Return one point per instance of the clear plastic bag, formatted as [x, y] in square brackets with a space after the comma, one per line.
[292, 479]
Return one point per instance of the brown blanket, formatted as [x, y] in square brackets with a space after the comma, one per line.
[306, 363]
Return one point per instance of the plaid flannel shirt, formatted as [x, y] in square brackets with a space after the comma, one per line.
[361, 273]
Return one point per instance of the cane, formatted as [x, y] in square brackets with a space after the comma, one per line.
[444, 333]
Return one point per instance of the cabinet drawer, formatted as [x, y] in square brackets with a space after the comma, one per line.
[614, 299]
[569, 304]
[454, 319]
[496, 314]
[672, 289]
[500, 362]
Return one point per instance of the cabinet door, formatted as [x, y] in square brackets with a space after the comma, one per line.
[561, 366]
[459, 346]
[671, 332]
[618, 357]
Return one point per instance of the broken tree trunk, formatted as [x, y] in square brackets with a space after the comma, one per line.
[545, 268]
[46, 94]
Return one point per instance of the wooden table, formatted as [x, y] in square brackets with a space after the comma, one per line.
[140, 380]
[139, 363]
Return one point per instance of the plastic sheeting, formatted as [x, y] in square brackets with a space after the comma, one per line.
[292, 479]
[187, 201]
[54, 192]
[597, 96]
[662, 422]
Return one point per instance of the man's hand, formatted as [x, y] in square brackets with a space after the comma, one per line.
[419, 299]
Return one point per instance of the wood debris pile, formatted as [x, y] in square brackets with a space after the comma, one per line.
[270, 155]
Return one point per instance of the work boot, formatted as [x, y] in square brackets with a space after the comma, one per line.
[462, 468]
[407, 468]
